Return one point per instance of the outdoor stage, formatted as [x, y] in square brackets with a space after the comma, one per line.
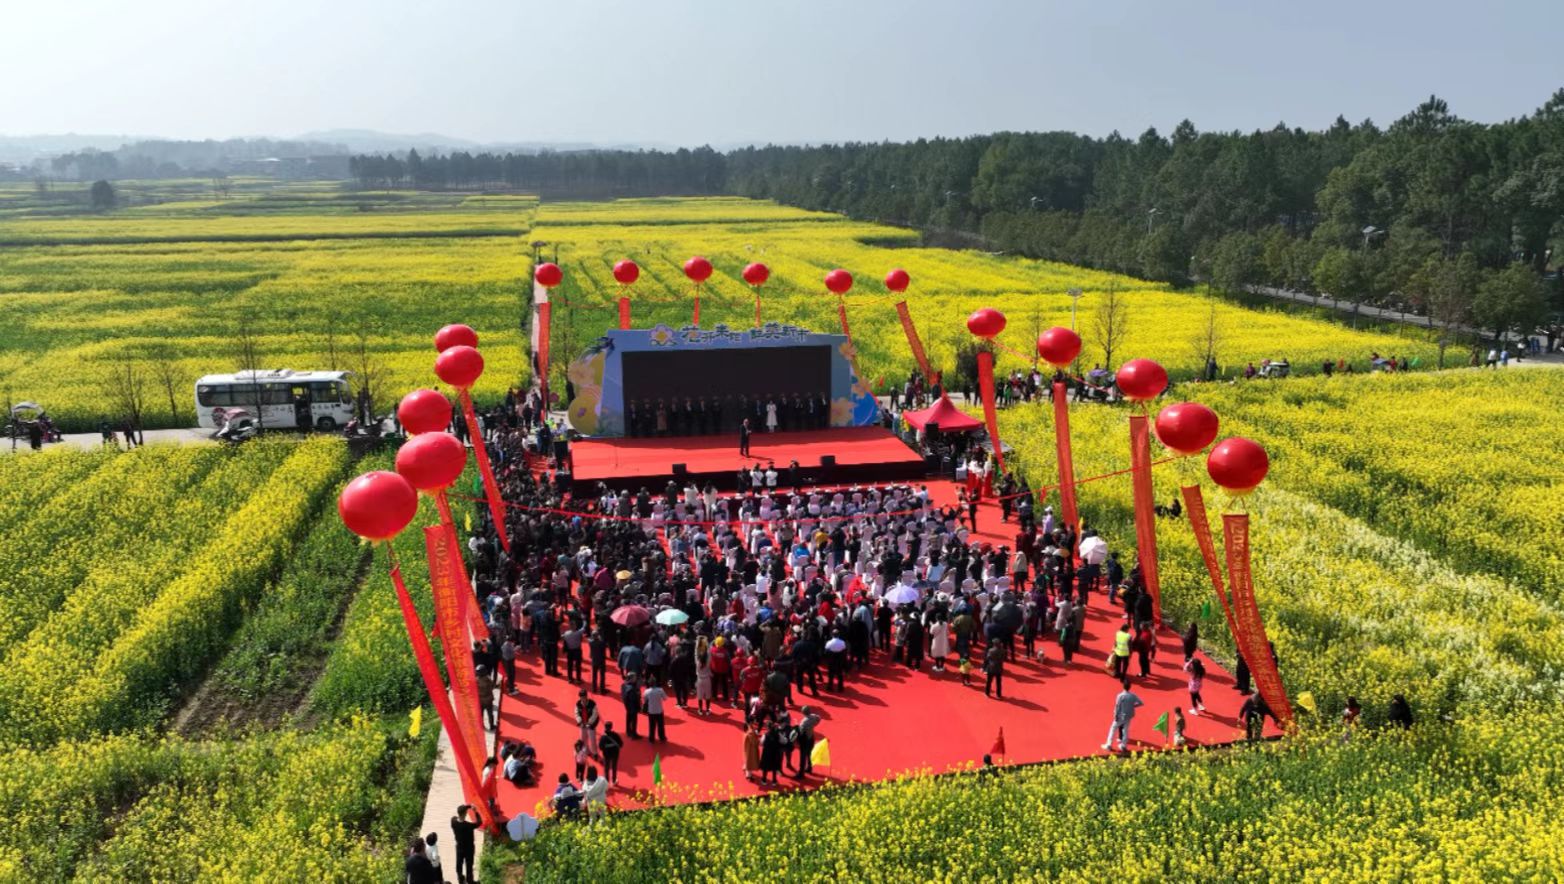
[863, 454]
[890, 720]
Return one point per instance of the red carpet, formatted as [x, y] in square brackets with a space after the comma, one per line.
[866, 448]
[890, 719]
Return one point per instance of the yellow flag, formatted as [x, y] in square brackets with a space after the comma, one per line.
[821, 755]
[415, 721]
[467, 521]
[1306, 702]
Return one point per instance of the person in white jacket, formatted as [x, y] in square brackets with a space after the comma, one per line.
[595, 792]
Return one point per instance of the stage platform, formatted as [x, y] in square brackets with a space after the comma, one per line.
[863, 454]
[889, 721]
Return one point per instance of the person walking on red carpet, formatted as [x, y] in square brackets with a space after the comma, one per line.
[1124, 706]
[744, 434]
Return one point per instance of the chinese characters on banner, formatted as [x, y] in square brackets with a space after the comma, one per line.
[1253, 643]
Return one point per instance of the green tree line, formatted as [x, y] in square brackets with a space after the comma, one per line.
[1450, 219]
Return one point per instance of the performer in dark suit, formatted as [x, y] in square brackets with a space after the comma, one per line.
[744, 432]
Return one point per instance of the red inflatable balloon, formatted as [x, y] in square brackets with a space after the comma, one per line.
[1238, 464]
[456, 335]
[459, 366]
[1058, 346]
[698, 269]
[1186, 427]
[431, 461]
[838, 281]
[986, 322]
[548, 274]
[626, 271]
[377, 505]
[1142, 379]
[424, 411]
[757, 273]
[897, 280]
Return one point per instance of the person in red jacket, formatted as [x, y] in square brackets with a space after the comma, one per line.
[750, 680]
[721, 669]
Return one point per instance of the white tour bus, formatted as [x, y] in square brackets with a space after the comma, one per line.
[287, 399]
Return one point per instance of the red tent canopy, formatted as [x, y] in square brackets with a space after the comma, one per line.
[945, 415]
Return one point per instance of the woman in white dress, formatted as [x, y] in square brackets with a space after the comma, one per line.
[939, 643]
[771, 417]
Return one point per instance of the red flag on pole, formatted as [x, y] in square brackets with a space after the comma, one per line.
[985, 362]
[1145, 511]
[999, 744]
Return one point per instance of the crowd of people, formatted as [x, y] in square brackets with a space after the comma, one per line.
[704, 416]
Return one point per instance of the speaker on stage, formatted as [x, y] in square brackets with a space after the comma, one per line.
[828, 461]
[680, 471]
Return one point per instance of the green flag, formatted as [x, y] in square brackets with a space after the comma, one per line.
[657, 768]
[1162, 725]
[477, 485]
[1205, 610]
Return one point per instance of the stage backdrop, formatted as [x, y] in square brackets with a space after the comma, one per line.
[663, 362]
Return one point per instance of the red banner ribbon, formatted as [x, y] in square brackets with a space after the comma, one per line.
[1195, 505]
[466, 765]
[985, 365]
[542, 347]
[1145, 511]
[1252, 641]
[914, 342]
[491, 489]
[1065, 457]
[451, 627]
[624, 312]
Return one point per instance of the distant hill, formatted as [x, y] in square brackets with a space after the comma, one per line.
[23, 149]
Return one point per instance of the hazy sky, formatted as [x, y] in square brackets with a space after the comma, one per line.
[729, 71]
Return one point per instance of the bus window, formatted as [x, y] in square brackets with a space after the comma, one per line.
[344, 393]
[277, 394]
[214, 395]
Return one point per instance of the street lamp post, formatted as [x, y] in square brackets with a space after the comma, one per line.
[1150, 215]
[1075, 301]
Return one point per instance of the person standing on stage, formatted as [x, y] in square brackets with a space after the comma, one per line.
[744, 434]
[771, 416]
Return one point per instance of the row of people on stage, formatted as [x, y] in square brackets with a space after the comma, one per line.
[710, 415]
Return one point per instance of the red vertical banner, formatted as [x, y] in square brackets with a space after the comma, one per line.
[757, 306]
[470, 612]
[696, 321]
[1071, 515]
[624, 312]
[1145, 511]
[841, 314]
[491, 489]
[450, 626]
[543, 350]
[1195, 505]
[914, 342]
[466, 765]
[985, 365]
[1253, 643]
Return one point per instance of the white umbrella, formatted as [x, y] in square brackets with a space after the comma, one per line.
[902, 594]
[1094, 550]
[836, 645]
[671, 617]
